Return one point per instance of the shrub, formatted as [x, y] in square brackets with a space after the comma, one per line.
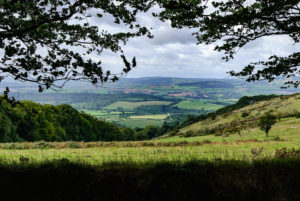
[140, 136]
[42, 145]
[23, 159]
[218, 133]
[256, 152]
[10, 146]
[74, 145]
[285, 153]
[277, 138]
[245, 114]
[206, 142]
[189, 133]
[173, 133]
[196, 143]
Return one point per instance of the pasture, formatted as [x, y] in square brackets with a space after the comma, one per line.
[132, 105]
[198, 105]
[157, 116]
[139, 123]
[173, 149]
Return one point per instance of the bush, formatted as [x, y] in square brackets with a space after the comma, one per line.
[206, 142]
[285, 153]
[277, 138]
[74, 145]
[189, 133]
[245, 114]
[173, 133]
[140, 136]
[43, 145]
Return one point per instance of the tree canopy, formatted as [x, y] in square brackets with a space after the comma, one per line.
[29, 121]
[47, 41]
[231, 24]
[266, 122]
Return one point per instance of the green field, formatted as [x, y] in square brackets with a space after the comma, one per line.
[133, 121]
[285, 134]
[198, 105]
[142, 121]
[132, 105]
[139, 123]
[101, 113]
[157, 116]
[232, 147]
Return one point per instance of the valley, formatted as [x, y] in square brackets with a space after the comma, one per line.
[173, 98]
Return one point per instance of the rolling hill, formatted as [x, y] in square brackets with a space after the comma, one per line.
[241, 119]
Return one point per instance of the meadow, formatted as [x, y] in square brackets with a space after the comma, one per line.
[198, 105]
[138, 123]
[172, 149]
[132, 105]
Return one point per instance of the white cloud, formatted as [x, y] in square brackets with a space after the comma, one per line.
[174, 52]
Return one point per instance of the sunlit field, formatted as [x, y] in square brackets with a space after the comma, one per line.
[174, 149]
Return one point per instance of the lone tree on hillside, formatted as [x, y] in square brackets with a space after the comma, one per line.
[266, 122]
[235, 23]
[46, 41]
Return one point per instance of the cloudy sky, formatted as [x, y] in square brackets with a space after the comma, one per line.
[174, 52]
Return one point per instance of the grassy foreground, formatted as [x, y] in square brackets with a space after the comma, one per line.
[142, 152]
[238, 147]
[210, 168]
[227, 167]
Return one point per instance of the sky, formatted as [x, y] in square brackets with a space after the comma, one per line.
[175, 53]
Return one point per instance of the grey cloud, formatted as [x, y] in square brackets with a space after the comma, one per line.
[167, 35]
[175, 53]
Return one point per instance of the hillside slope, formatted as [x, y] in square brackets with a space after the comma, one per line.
[29, 121]
[245, 119]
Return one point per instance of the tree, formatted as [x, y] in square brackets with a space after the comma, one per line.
[140, 136]
[234, 23]
[50, 42]
[266, 122]
[151, 131]
[128, 134]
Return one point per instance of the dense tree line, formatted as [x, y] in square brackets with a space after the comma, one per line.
[29, 121]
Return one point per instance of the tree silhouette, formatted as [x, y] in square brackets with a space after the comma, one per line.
[231, 24]
[49, 42]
